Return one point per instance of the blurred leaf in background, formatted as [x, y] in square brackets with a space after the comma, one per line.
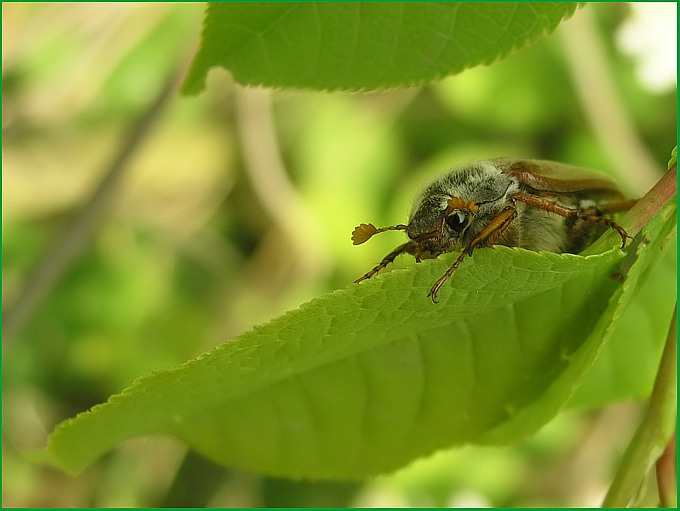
[197, 246]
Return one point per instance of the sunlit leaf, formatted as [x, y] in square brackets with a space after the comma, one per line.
[367, 378]
[357, 45]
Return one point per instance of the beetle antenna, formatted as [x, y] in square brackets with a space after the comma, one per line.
[364, 232]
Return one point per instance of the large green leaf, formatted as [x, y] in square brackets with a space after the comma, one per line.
[357, 45]
[367, 378]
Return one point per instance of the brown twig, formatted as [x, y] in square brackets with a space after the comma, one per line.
[66, 249]
[651, 203]
[667, 474]
[655, 430]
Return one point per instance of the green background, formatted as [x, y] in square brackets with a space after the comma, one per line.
[197, 246]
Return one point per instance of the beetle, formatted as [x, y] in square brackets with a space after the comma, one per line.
[538, 205]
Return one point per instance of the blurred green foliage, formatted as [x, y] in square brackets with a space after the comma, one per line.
[191, 253]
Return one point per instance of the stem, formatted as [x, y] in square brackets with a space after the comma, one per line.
[272, 185]
[652, 202]
[635, 219]
[68, 246]
[654, 432]
[667, 475]
[608, 116]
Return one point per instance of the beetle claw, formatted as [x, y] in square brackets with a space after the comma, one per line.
[435, 289]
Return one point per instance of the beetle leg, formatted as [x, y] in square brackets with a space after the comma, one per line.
[406, 247]
[495, 228]
[595, 215]
[435, 289]
[486, 238]
[588, 215]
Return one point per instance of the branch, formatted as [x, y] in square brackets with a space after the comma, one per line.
[594, 81]
[68, 246]
[656, 429]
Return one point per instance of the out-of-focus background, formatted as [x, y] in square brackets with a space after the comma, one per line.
[238, 204]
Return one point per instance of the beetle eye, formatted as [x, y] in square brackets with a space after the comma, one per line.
[457, 221]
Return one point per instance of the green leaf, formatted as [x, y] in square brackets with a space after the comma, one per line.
[628, 364]
[357, 45]
[367, 378]
[674, 157]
